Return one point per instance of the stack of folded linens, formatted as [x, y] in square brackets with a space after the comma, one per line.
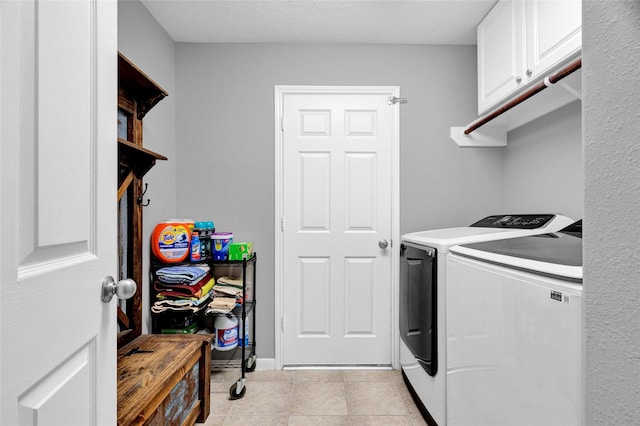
[182, 288]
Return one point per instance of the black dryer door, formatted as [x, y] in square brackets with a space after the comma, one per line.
[418, 304]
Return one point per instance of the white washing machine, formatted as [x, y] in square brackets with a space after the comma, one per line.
[514, 331]
[422, 299]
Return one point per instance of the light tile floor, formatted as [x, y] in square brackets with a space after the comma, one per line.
[313, 397]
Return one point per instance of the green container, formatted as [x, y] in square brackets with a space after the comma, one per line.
[239, 251]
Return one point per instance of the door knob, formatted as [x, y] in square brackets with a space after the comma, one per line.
[124, 289]
[383, 244]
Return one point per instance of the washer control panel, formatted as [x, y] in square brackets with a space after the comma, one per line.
[515, 221]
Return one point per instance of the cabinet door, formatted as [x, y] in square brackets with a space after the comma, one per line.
[500, 53]
[554, 33]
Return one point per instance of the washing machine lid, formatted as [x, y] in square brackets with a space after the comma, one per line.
[495, 227]
[554, 254]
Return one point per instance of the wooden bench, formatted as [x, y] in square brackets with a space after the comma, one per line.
[164, 380]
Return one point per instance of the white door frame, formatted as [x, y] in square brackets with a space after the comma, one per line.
[280, 92]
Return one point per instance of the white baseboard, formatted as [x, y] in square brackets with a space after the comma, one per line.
[270, 364]
[265, 364]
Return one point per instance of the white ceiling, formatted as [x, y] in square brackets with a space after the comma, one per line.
[321, 21]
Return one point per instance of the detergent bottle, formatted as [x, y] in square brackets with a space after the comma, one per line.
[226, 327]
[170, 241]
[195, 255]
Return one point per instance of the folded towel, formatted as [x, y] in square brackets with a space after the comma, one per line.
[180, 304]
[181, 274]
[236, 282]
[178, 295]
[184, 290]
[172, 295]
[228, 290]
[222, 305]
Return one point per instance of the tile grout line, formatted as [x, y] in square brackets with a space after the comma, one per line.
[346, 397]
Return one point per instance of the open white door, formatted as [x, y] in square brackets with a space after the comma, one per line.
[58, 94]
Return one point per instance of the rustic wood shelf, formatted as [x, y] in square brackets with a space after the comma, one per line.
[137, 158]
[146, 91]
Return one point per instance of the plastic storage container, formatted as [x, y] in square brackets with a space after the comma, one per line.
[226, 335]
[243, 338]
[239, 251]
[170, 241]
[205, 229]
[220, 242]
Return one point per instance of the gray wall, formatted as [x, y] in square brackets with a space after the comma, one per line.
[611, 81]
[216, 127]
[232, 82]
[543, 165]
[225, 146]
[147, 45]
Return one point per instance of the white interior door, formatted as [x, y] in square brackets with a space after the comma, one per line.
[58, 179]
[337, 204]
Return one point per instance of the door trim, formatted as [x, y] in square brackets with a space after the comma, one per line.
[280, 92]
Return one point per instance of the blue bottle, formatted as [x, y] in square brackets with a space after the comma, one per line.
[194, 251]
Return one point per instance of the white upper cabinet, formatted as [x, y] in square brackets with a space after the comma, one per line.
[554, 33]
[500, 53]
[520, 41]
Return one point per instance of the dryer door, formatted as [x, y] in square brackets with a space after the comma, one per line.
[418, 304]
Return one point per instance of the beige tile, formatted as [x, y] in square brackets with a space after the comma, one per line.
[319, 398]
[418, 420]
[220, 404]
[213, 421]
[271, 376]
[265, 398]
[369, 375]
[374, 398]
[407, 399]
[241, 420]
[397, 377]
[318, 420]
[318, 376]
[221, 380]
[403, 390]
[380, 420]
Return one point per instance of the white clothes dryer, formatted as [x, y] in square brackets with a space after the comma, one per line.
[423, 296]
[514, 331]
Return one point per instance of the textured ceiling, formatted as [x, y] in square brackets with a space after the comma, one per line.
[320, 21]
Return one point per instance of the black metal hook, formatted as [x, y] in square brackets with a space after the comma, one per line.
[146, 185]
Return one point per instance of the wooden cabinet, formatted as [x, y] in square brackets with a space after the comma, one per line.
[137, 95]
[522, 41]
[164, 380]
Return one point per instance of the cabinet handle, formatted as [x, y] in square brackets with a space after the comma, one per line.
[518, 79]
[529, 72]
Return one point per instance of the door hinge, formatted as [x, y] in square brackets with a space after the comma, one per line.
[282, 323]
[282, 123]
[393, 100]
[282, 224]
